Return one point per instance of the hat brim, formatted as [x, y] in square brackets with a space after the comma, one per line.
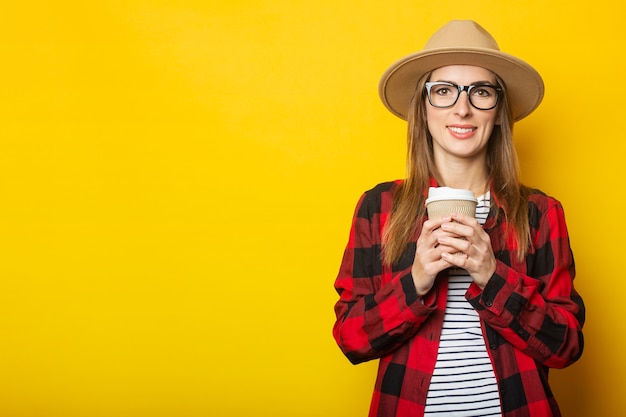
[522, 82]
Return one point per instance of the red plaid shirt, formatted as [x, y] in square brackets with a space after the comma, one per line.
[530, 313]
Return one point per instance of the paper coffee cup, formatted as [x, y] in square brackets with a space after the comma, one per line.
[443, 201]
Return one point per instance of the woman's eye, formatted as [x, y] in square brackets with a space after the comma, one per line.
[482, 92]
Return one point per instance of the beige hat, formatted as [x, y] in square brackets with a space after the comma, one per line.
[461, 42]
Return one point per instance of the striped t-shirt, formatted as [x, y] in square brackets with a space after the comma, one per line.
[463, 383]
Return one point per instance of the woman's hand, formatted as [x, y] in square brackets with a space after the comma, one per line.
[464, 234]
[429, 252]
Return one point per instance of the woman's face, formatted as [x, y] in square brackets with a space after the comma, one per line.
[461, 131]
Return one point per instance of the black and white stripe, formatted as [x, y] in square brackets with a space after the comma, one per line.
[463, 383]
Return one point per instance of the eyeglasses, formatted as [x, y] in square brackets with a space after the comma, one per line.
[481, 96]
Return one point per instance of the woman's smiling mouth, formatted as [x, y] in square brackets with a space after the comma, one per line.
[462, 132]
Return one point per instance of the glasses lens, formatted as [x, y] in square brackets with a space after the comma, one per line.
[442, 94]
[483, 97]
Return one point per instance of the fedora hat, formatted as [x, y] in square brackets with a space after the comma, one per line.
[461, 42]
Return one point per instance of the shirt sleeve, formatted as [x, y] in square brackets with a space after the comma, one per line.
[533, 304]
[377, 310]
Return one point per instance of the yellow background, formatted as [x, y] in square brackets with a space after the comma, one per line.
[177, 180]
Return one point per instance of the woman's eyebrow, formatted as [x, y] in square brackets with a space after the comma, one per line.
[473, 83]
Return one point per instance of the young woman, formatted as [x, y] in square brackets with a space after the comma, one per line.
[466, 314]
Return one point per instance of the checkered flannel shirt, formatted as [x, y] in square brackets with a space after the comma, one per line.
[530, 313]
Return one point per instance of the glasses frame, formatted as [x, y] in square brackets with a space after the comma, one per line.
[460, 89]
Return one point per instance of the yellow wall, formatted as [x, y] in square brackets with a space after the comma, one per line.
[177, 180]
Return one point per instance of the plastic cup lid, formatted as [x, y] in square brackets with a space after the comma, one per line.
[447, 193]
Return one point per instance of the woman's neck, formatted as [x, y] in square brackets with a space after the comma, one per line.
[472, 176]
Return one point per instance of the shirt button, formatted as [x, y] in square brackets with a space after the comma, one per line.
[489, 303]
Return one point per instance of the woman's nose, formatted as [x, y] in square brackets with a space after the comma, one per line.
[462, 106]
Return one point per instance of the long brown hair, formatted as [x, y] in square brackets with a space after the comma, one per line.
[408, 210]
